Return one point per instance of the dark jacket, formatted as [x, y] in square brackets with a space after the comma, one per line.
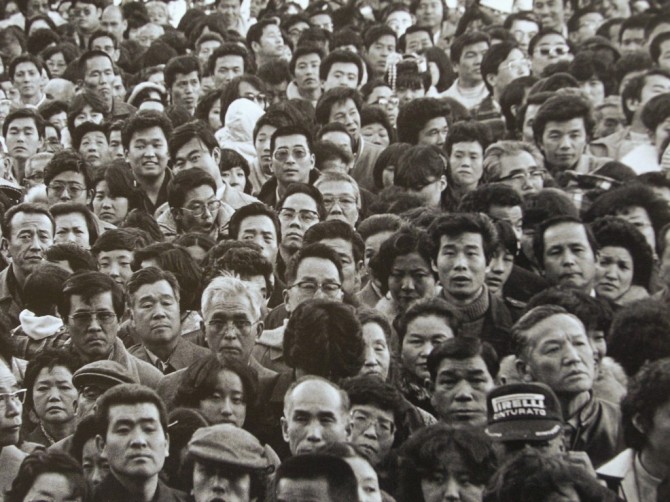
[184, 354]
[11, 303]
[110, 490]
[268, 193]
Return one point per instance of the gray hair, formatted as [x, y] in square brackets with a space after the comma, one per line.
[337, 176]
[227, 287]
[506, 148]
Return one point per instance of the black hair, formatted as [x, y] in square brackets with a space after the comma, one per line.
[77, 257]
[462, 41]
[83, 129]
[340, 56]
[493, 58]
[291, 130]
[128, 394]
[65, 161]
[332, 97]
[88, 284]
[120, 182]
[542, 227]
[389, 156]
[468, 131]
[315, 250]
[371, 390]
[27, 208]
[418, 165]
[25, 113]
[195, 129]
[46, 359]
[376, 115]
[127, 239]
[428, 307]
[336, 229]
[43, 287]
[414, 116]
[180, 65]
[63, 208]
[342, 484]
[229, 49]
[561, 108]
[249, 210]
[455, 224]
[25, 58]
[655, 112]
[483, 197]
[304, 50]
[463, 347]
[231, 92]
[142, 120]
[308, 190]
[255, 32]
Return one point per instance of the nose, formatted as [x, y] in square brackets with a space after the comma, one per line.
[460, 262]
[497, 266]
[114, 270]
[463, 391]
[426, 349]
[314, 432]
[407, 282]
[95, 325]
[97, 476]
[451, 490]
[226, 408]
[36, 244]
[13, 408]
[54, 394]
[568, 258]
[571, 354]
[371, 431]
[107, 202]
[370, 356]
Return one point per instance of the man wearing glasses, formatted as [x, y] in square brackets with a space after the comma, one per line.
[68, 179]
[546, 48]
[11, 408]
[516, 164]
[91, 306]
[85, 15]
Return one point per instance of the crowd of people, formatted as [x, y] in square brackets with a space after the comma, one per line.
[335, 250]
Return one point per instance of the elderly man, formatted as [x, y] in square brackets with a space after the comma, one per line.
[11, 407]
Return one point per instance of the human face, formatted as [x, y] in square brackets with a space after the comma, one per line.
[93, 464]
[376, 352]
[227, 68]
[135, 442]
[522, 173]
[451, 484]
[231, 328]
[113, 22]
[115, 145]
[499, 270]
[588, 25]
[461, 266]
[594, 90]
[351, 281]
[417, 42]
[52, 486]
[399, 21]
[550, 49]
[116, 264]
[410, 279]
[639, 218]
[368, 483]
[559, 355]
[295, 168]
[58, 120]
[424, 333]
[54, 396]
[155, 315]
[323, 21]
[383, 96]
[105, 44]
[306, 72]
[372, 245]
[51, 141]
[227, 404]
[632, 39]
[528, 120]
[230, 10]
[376, 134]
[30, 236]
[550, 12]
[434, 132]
[211, 481]
[214, 116]
[206, 49]
[429, 13]
[379, 52]
[34, 172]
[261, 230]
[185, 90]
[372, 431]
[346, 113]
[22, 139]
[312, 270]
[460, 388]
[11, 408]
[262, 145]
[314, 416]
[523, 31]
[341, 201]
[86, 17]
[342, 75]
[465, 163]
[569, 259]
[471, 60]
[298, 213]
[88, 114]
[27, 81]
[95, 148]
[296, 30]
[514, 66]
[194, 154]
[563, 143]
[68, 186]
[93, 340]
[271, 43]
[148, 34]
[235, 178]
[72, 227]
[148, 153]
[614, 272]
[200, 210]
[99, 78]
[107, 207]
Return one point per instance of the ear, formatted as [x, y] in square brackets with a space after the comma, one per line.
[312, 158]
[259, 329]
[167, 445]
[491, 78]
[100, 443]
[216, 155]
[443, 183]
[632, 104]
[524, 370]
[433, 265]
[284, 428]
[4, 244]
[89, 196]
[255, 46]
[176, 214]
[284, 296]
[639, 424]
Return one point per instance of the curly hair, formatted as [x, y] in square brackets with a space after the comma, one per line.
[414, 116]
[48, 359]
[436, 307]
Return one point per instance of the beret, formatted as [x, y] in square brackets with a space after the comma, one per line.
[226, 443]
[105, 373]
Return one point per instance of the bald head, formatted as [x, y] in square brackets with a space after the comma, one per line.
[113, 22]
[59, 89]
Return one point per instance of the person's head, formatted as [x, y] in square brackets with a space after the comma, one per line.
[467, 54]
[423, 121]
[443, 463]
[498, 201]
[133, 422]
[376, 127]
[68, 178]
[226, 460]
[257, 223]
[316, 412]
[71, 257]
[421, 171]
[74, 223]
[562, 128]
[343, 105]
[501, 65]
[380, 43]
[231, 312]
[266, 40]
[341, 197]
[465, 147]
[27, 232]
[52, 475]
[105, 41]
[26, 74]
[96, 73]
[114, 193]
[330, 157]
[631, 34]
[300, 208]
[516, 164]
[51, 395]
[292, 157]
[43, 287]
[84, 450]
[91, 306]
[428, 13]
[547, 47]
[304, 67]
[341, 68]
[192, 200]
[23, 130]
[11, 407]
[247, 262]
[462, 371]
[374, 230]
[182, 80]
[91, 141]
[228, 61]
[235, 171]
[265, 127]
[523, 26]
[315, 476]
[145, 141]
[551, 347]
[114, 251]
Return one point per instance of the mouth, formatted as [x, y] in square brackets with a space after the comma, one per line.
[352, 130]
[460, 281]
[371, 371]
[230, 352]
[367, 448]
[55, 409]
[465, 415]
[493, 281]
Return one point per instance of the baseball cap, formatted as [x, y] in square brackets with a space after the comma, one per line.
[227, 444]
[523, 411]
[103, 373]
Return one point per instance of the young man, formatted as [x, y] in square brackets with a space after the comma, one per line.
[114, 252]
[551, 14]
[380, 47]
[227, 62]
[96, 69]
[105, 41]
[231, 15]
[135, 441]
[68, 179]
[26, 74]
[266, 41]
[421, 171]
[467, 53]
[86, 16]
[182, 79]
[23, 131]
[315, 477]
[631, 34]
[261, 169]
[502, 64]
[341, 68]
[304, 68]
[415, 39]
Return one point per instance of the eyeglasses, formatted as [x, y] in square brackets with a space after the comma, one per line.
[521, 64]
[198, 208]
[283, 154]
[556, 51]
[343, 202]
[84, 319]
[523, 176]
[362, 422]
[305, 216]
[392, 101]
[74, 189]
[18, 396]
[311, 287]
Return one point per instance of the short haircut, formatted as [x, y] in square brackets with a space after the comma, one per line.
[77, 257]
[335, 127]
[88, 284]
[304, 50]
[634, 88]
[333, 97]
[116, 239]
[291, 130]
[463, 347]
[483, 197]
[150, 275]
[339, 176]
[378, 223]
[376, 115]
[142, 120]
[314, 250]
[181, 65]
[544, 32]
[492, 170]
[336, 229]
[562, 108]
[255, 32]
[402, 41]
[456, 224]
[24, 58]
[648, 390]
[68, 161]
[323, 337]
[634, 22]
[342, 484]
[528, 321]
[191, 130]
[325, 151]
[246, 262]
[86, 57]
[468, 131]
[226, 288]
[493, 58]
[248, 211]
[83, 129]
[26, 208]
[656, 111]
[419, 165]
[655, 46]
[184, 181]
[120, 182]
[25, 113]
[414, 116]
[428, 307]
[273, 118]
[63, 208]
[461, 42]
[370, 390]
[340, 56]
[43, 287]
[538, 238]
[375, 32]
[47, 359]
[102, 34]
[229, 49]
[128, 394]
[308, 190]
